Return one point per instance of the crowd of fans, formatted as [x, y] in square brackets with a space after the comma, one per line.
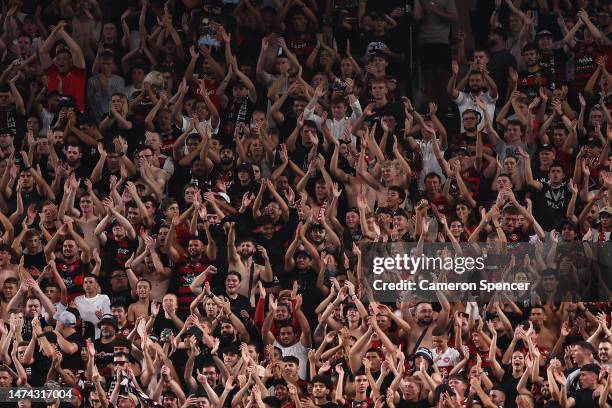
[185, 187]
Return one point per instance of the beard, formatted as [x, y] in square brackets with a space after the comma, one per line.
[475, 89]
[425, 320]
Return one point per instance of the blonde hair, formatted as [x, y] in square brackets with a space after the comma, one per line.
[155, 78]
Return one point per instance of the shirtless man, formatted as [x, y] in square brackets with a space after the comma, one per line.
[143, 305]
[425, 319]
[148, 266]
[240, 260]
[546, 337]
[323, 187]
[89, 204]
[7, 268]
[389, 174]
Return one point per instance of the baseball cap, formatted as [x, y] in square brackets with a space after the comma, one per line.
[66, 318]
[425, 353]
[546, 146]
[543, 33]
[606, 210]
[108, 319]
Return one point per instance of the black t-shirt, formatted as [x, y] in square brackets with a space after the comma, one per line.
[73, 361]
[104, 357]
[585, 399]
[37, 261]
[550, 205]
[40, 368]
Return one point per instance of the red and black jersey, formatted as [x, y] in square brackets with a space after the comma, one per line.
[530, 82]
[584, 63]
[72, 274]
[187, 270]
[351, 403]
[116, 252]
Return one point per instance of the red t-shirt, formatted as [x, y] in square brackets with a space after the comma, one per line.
[73, 83]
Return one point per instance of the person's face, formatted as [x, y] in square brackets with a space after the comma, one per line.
[510, 165]
[424, 314]
[211, 375]
[119, 280]
[246, 249]
[282, 65]
[73, 155]
[170, 401]
[109, 31]
[133, 215]
[286, 336]
[281, 392]
[143, 290]
[320, 191]
[118, 231]
[232, 283]
[379, 91]
[138, 75]
[290, 368]
[352, 219]
[470, 121]
[374, 359]
[119, 313]
[195, 248]
[33, 307]
[432, 185]
[299, 23]
[475, 83]
[302, 261]
[9, 290]
[90, 285]
[546, 157]
[63, 62]
[559, 136]
[307, 133]
[604, 350]
[556, 175]
[503, 183]
[545, 43]
[531, 58]
[106, 66]
[165, 120]
[226, 156]
[69, 249]
[498, 397]
[318, 235]
[520, 277]
[6, 380]
[298, 107]
[549, 283]
[319, 390]
[513, 133]
[33, 243]
[116, 102]
[361, 383]
[456, 228]
[6, 99]
[587, 380]
[53, 293]
[606, 220]
[410, 389]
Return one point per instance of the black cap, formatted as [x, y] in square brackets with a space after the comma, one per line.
[108, 320]
[244, 167]
[543, 33]
[546, 146]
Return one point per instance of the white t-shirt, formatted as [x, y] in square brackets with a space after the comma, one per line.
[448, 359]
[300, 352]
[87, 308]
[466, 101]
